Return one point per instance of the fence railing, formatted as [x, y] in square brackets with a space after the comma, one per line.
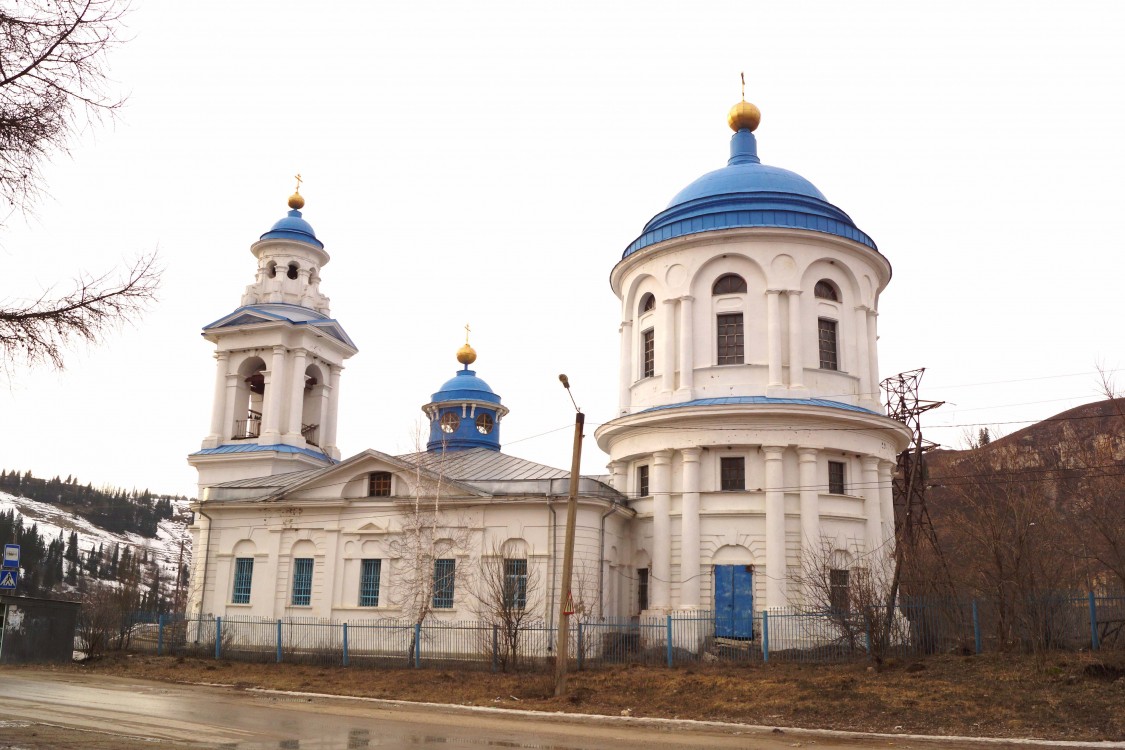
[914, 629]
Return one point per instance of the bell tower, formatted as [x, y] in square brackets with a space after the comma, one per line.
[278, 362]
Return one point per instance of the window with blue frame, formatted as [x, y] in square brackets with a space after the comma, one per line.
[302, 582]
[515, 583]
[445, 572]
[369, 583]
[243, 576]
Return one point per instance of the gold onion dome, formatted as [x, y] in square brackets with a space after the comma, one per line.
[296, 202]
[744, 115]
[466, 355]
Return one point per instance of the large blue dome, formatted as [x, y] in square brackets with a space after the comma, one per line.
[293, 227]
[465, 385]
[747, 193]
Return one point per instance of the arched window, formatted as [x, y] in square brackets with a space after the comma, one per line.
[730, 283]
[271, 269]
[825, 289]
[292, 273]
[648, 303]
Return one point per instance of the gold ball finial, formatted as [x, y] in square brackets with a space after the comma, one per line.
[744, 115]
[296, 202]
[466, 355]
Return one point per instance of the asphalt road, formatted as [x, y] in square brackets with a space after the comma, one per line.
[92, 711]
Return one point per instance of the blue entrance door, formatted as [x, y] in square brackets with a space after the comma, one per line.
[734, 601]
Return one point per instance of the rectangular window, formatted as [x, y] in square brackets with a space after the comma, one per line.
[836, 484]
[732, 473]
[379, 484]
[648, 354]
[369, 583]
[515, 583]
[838, 594]
[642, 588]
[827, 335]
[730, 339]
[444, 577]
[302, 582]
[642, 481]
[243, 575]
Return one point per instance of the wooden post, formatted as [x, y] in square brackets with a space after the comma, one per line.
[563, 644]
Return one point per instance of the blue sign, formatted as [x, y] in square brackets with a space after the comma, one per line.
[11, 556]
[8, 580]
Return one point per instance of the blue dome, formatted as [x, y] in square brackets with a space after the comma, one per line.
[747, 193]
[465, 385]
[293, 227]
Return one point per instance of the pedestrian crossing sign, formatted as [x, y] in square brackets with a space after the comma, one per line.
[8, 579]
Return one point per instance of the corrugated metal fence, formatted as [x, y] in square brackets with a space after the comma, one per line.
[915, 628]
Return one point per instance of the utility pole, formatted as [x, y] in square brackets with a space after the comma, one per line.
[562, 647]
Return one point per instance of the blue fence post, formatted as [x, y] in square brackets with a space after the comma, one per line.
[765, 636]
[218, 637]
[279, 641]
[976, 627]
[668, 638]
[1094, 643]
[580, 644]
[160, 636]
[417, 645]
[495, 646]
[345, 644]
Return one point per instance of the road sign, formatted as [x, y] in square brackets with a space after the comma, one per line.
[11, 555]
[8, 580]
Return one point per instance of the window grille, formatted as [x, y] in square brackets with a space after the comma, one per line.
[825, 289]
[243, 575]
[369, 583]
[444, 578]
[648, 354]
[730, 339]
[730, 283]
[839, 594]
[642, 481]
[515, 583]
[732, 473]
[642, 588]
[836, 484]
[827, 335]
[302, 582]
[379, 484]
[648, 303]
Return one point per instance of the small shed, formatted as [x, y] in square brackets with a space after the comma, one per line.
[36, 630]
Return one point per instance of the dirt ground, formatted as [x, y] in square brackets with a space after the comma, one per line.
[1067, 697]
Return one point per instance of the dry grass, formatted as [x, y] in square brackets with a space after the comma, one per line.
[1073, 696]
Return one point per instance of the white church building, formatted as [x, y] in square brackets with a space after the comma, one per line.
[749, 436]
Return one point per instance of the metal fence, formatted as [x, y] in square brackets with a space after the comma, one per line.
[913, 629]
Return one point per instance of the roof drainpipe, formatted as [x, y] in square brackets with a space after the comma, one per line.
[601, 565]
[206, 552]
[551, 545]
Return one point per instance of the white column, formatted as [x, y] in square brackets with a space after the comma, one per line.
[687, 355]
[689, 530]
[660, 578]
[886, 499]
[796, 351]
[862, 360]
[873, 353]
[618, 470]
[625, 373]
[871, 499]
[228, 407]
[773, 335]
[218, 403]
[275, 396]
[775, 526]
[810, 504]
[329, 444]
[666, 345]
[297, 396]
[321, 393]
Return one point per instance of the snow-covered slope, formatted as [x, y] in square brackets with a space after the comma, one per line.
[50, 520]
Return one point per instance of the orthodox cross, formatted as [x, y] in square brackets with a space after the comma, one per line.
[299, 181]
[467, 329]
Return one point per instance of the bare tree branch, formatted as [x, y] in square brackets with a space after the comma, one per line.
[37, 332]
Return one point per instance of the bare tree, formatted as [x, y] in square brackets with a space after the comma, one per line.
[37, 331]
[508, 595]
[52, 81]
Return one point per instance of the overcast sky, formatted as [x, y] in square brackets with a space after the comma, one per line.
[488, 162]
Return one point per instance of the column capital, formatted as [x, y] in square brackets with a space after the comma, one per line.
[686, 298]
[807, 454]
[773, 452]
[774, 291]
[888, 466]
[300, 351]
[661, 458]
[625, 324]
[793, 292]
[862, 308]
[691, 454]
[221, 356]
[870, 462]
[278, 349]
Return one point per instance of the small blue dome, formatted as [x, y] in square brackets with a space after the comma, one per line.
[293, 227]
[465, 385]
[747, 193]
